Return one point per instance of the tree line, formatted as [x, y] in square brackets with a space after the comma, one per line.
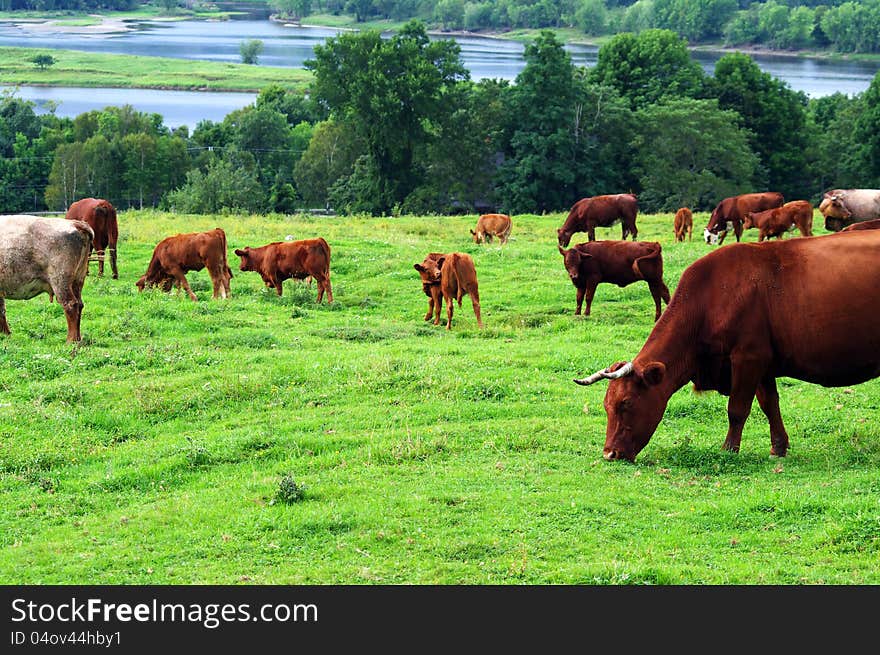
[395, 125]
[844, 26]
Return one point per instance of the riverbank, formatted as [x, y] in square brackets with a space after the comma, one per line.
[82, 69]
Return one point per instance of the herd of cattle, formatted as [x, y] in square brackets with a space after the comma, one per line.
[792, 301]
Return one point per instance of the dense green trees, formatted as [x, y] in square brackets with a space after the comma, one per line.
[394, 125]
[391, 91]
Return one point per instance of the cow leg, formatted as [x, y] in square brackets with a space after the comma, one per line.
[73, 305]
[181, 281]
[4, 326]
[580, 300]
[737, 229]
[430, 313]
[100, 254]
[768, 399]
[112, 251]
[658, 291]
[589, 292]
[449, 304]
[591, 233]
[437, 299]
[745, 375]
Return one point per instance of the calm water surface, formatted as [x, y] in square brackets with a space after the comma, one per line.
[290, 46]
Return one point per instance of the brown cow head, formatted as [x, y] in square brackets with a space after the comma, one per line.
[429, 270]
[634, 402]
[478, 236]
[572, 259]
[563, 237]
[749, 220]
[247, 263]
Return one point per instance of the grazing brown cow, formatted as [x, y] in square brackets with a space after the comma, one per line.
[803, 308]
[615, 262]
[44, 255]
[683, 224]
[600, 211]
[284, 260]
[730, 212]
[457, 276]
[431, 284]
[779, 220]
[174, 256]
[863, 225]
[489, 225]
[842, 207]
[101, 217]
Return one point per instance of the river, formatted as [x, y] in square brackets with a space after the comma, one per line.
[290, 46]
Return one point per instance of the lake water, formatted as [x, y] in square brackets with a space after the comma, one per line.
[290, 46]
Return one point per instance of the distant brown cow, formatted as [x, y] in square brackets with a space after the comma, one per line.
[730, 212]
[39, 254]
[100, 215]
[683, 224]
[174, 256]
[284, 260]
[457, 276]
[615, 262]
[779, 220]
[863, 225]
[431, 285]
[600, 211]
[489, 225]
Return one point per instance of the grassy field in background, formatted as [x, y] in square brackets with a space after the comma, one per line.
[75, 68]
[158, 450]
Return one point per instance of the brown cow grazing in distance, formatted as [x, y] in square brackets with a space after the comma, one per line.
[842, 207]
[284, 260]
[615, 262]
[174, 256]
[863, 225]
[101, 217]
[730, 213]
[457, 276]
[683, 224]
[803, 308]
[779, 220]
[431, 284]
[492, 225]
[44, 255]
[600, 211]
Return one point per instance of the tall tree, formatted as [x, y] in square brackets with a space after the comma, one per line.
[774, 114]
[867, 134]
[691, 153]
[647, 67]
[391, 90]
[542, 159]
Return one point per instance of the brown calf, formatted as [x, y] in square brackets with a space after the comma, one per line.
[616, 262]
[174, 256]
[683, 224]
[777, 221]
[456, 276]
[284, 260]
[431, 284]
[489, 225]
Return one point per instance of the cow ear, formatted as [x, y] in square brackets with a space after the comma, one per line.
[419, 268]
[240, 253]
[440, 262]
[474, 233]
[652, 373]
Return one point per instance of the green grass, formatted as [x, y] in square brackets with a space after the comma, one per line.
[75, 68]
[273, 440]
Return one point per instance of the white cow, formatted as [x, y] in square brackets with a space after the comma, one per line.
[48, 255]
[842, 207]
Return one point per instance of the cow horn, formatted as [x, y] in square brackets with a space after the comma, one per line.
[626, 369]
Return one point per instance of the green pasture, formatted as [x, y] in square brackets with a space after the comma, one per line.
[263, 440]
[84, 69]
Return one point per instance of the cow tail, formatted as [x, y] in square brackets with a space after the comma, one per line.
[82, 267]
[654, 254]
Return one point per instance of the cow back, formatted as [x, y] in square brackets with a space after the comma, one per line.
[614, 261]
